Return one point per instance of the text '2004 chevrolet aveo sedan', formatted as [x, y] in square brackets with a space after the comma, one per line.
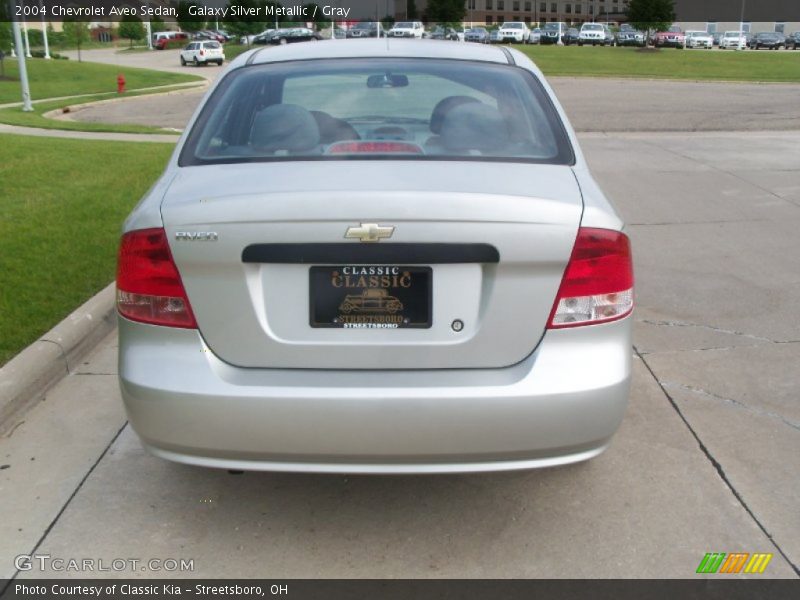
[376, 257]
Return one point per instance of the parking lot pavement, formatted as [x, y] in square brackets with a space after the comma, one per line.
[613, 105]
[161, 60]
[593, 104]
[705, 461]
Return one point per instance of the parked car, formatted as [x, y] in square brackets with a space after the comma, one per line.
[495, 37]
[291, 36]
[595, 34]
[477, 34]
[408, 29]
[770, 41]
[628, 36]
[259, 38]
[571, 36]
[515, 32]
[672, 38]
[793, 41]
[203, 52]
[699, 39]
[733, 39]
[553, 32]
[444, 33]
[535, 36]
[209, 35]
[170, 39]
[228, 36]
[717, 35]
[510, 342]
[366, 29]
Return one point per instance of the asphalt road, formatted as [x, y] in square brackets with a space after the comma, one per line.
[593, 104]
[705, 461]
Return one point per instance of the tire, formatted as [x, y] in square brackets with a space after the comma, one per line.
[219, 63]
[196, 62]
[283, 41]
[183, 62]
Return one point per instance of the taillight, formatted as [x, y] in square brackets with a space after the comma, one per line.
[149, 287]
[597, 286]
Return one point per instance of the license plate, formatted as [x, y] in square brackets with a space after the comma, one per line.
[371, 297]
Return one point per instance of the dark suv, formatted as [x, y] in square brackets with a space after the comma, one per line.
[365, 29]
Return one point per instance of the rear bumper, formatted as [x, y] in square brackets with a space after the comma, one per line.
[560, 405]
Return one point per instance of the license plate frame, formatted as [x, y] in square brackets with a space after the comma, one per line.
[370, 297]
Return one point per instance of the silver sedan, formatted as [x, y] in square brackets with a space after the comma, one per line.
[376, 257]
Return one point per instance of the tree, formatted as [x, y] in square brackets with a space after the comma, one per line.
[651, 15]
[250, 25]
[411, 9]
[446, 11]
[131, 28]
[76, 33]
[6, 37]
[185, 20]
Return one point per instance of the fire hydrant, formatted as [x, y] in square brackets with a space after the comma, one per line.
[120, 83]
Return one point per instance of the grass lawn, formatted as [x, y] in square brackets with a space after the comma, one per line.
[15, 116]
[55, 78]
[62, 203]
[669, 63]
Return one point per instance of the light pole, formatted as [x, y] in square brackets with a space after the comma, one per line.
[23, 71]
[741, 28]
[25, 35]
[44, 32]
[148, 29]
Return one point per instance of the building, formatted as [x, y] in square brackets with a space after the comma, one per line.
[573, 12]
[708, 15]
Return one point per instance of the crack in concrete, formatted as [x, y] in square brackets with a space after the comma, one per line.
[61, 349]
[4, 588]
[739, 403]
[716, 329]
[717, 466]
[92, 374]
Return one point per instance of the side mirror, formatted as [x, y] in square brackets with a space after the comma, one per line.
[387, 81]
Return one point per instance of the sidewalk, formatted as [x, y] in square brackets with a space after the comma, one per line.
[89, 135]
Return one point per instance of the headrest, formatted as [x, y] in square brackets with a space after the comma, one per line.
[474, 127]
[285, 127]
[445, 106]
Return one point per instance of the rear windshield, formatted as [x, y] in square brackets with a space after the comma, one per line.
[211, 44]
[378, 108]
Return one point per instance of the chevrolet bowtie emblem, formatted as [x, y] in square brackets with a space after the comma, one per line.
[369, 232]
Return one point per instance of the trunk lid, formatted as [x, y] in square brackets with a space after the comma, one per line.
[258, 313]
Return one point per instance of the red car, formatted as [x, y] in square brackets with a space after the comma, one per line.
[173, 40]
[672, 38]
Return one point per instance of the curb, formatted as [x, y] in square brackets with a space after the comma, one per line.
[28, 376]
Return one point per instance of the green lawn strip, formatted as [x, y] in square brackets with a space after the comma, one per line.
[62, 203]
[56, 78]
[15, 115]
[766, 66]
